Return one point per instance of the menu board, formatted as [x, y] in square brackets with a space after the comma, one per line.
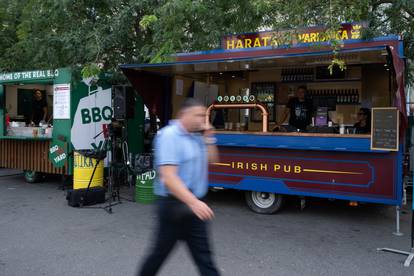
[385, 129]
[61, 101]
[322, 116]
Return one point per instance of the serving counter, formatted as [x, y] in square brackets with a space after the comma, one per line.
[294, 140]
[28, 154]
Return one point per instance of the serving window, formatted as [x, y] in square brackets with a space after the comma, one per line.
[29, 110]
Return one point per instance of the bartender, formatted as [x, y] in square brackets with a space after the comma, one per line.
[300, 110]
[363, 126]
[39, 108]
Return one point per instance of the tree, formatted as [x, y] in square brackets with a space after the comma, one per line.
[199, 26]
[56, 33]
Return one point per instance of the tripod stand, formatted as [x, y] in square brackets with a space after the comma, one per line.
[409, 254]
[107, 151]
[112, 194]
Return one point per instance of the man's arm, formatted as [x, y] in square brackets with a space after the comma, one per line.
[44, 113]
[213, 154]
[210, 140]
[284, 116]
[170, 178]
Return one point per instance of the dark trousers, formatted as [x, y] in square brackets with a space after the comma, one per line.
[177, 222]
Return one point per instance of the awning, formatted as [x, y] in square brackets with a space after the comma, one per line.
[151, 80]
[365, 55]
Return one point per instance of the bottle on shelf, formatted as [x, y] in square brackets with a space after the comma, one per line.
[356, 96]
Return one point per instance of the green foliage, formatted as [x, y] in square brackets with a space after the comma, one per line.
[56, 33]
[90, 70]
[147, 21]
[336, 62]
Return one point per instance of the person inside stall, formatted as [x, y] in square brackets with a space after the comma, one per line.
[7, 119]
[39, 109]
[363, 126]
[218, 121]
[300, 110]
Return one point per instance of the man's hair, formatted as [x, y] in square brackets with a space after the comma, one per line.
[190, 102]
[366, 111]
[302, 87]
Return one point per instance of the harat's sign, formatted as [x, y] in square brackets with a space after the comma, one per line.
[275, 39]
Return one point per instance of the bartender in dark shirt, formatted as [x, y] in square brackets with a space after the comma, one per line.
[39, 108]
[363, 126]
[300, 110]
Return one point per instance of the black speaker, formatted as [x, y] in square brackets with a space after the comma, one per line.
[123, 102]
[85, 197]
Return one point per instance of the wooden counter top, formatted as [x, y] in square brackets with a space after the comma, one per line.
[296, 134]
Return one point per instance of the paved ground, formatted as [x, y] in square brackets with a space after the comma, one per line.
[41, 235]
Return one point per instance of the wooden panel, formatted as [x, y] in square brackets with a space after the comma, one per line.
[27, 155]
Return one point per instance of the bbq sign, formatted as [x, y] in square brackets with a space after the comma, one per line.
[92, 113]
[58, 154]
[274, 39]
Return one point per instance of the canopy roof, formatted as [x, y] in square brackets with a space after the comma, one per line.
[146, 78]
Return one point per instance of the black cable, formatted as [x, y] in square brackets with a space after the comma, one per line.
[412, 230]
[127, 199]
[7, 175]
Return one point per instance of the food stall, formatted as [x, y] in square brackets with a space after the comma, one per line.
[73, 111]
[247, 85]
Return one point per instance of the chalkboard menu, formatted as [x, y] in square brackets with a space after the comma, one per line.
[385, 129]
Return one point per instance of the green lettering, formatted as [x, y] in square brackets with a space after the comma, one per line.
[107, 113]
[97, 147]
[86, 117]
[96, 114]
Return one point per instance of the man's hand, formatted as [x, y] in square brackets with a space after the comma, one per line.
[279, 128]
[177, 188]
[208, 130]
[201, 210]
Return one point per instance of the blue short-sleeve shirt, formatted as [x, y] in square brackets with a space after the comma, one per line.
[175, 146]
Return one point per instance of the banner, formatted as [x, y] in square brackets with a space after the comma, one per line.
[92, 113]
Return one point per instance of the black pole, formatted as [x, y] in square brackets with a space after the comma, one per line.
[90, 181]
[412, 229]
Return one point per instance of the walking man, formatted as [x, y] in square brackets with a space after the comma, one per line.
[182, 152]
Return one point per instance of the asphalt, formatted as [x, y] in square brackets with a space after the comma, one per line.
[41, 235]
